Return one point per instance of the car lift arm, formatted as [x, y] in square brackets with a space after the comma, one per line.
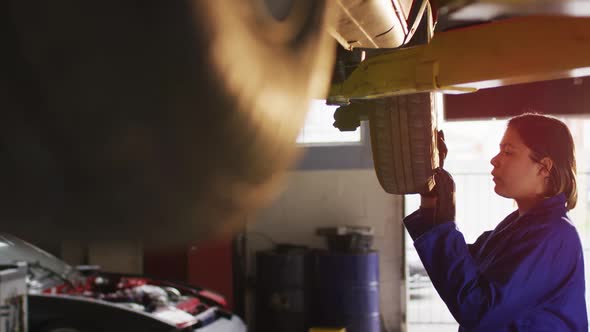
[512, 51]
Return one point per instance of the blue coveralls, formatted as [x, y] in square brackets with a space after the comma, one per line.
[526, 275]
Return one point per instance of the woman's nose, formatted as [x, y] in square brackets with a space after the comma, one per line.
[494, 160]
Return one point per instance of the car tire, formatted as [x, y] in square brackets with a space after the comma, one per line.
[403, 140]
[169, 122]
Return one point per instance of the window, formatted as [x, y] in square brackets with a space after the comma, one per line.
[318, 128]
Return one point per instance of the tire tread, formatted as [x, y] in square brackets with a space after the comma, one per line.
[402, 139]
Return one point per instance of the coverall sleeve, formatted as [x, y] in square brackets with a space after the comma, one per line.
[527, 273]
[420, 222]
[474, 247]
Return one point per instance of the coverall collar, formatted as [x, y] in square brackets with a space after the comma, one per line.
[551, 204]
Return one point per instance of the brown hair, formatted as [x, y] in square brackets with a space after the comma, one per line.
[549, 137]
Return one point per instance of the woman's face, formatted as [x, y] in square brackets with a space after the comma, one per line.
[515, 174]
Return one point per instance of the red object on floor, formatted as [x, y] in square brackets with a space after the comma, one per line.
[166, 264]
[207, 265]
[210, 266]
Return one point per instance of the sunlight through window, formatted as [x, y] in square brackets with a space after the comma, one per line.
[318, 128]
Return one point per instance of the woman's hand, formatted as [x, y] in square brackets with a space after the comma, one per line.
[442, 195]
[442, 148]
[445, 194]
[428, 197]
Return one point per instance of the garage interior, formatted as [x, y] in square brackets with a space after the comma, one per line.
[344, 191]
[335, 201]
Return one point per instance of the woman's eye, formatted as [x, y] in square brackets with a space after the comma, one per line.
[507, 153]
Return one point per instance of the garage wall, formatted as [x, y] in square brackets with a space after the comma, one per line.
[321, 198]
[117, 256]
[113, 256]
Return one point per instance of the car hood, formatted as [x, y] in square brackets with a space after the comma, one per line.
[13, 249]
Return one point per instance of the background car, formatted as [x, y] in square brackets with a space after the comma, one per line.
[64, 298]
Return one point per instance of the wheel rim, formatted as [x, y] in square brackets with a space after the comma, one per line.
[279, 9]
[283, 21]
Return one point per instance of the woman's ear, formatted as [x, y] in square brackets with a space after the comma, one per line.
[547, 165]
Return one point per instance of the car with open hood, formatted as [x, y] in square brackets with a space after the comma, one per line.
[85, 299]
